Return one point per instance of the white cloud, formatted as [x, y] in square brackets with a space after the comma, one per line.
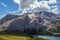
[54, 6]
[17, 1]
[35, 5]
[55, 10]
[42, 5]
[52, 2]
[3, 4]
[32, 4]
[26, 3]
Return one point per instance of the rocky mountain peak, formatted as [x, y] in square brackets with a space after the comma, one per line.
[28, 21]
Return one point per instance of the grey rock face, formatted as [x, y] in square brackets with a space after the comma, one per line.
[22, 24]
[8, 17]
[19, 23]
[29, 22]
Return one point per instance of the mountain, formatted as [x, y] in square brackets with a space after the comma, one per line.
[30, 23]
[8, 17]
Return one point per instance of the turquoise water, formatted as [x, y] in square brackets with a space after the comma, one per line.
[48, 37]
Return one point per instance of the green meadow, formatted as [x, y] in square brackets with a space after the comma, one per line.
[16, 36]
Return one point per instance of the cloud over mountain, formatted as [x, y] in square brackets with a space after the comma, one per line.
[29, 5]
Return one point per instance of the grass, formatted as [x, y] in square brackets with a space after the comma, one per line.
[16, 36]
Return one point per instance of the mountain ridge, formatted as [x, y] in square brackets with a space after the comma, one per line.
[29, 21]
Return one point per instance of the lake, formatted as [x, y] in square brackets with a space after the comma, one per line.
[47, 37]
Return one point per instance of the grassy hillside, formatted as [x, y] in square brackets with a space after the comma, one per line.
[16, 36]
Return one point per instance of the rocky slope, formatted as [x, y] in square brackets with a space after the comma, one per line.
[30, 23]
[7, 18]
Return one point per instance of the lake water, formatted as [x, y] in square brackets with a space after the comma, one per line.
[47, 37]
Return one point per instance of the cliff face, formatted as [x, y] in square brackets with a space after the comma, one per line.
[7, 18]
[29, 22]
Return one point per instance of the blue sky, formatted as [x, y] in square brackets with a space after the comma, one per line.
[13, 7]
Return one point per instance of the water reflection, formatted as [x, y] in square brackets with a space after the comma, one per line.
[47, 37]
